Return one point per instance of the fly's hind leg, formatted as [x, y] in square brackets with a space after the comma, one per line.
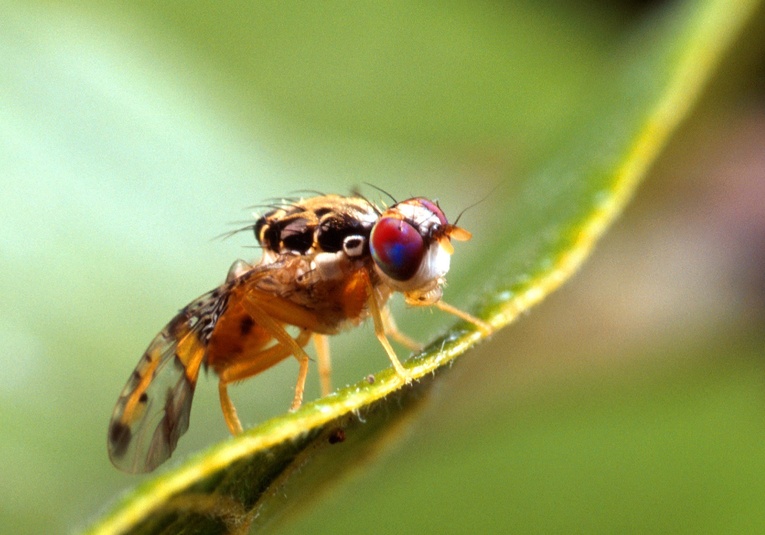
[262, 318]
[321, 343]
[253, 366]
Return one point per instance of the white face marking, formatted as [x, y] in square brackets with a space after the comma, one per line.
[436, 263]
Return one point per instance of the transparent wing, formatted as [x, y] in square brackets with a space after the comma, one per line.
[153, 409]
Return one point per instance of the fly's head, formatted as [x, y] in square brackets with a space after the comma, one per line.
[411, 248]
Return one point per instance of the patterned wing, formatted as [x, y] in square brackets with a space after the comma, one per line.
[154, 407]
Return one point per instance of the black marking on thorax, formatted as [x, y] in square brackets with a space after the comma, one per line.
[298, 229]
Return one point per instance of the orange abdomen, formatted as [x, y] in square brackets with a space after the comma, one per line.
[236, 337]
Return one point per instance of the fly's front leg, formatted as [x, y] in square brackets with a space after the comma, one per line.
[484, 327]
[379, 322]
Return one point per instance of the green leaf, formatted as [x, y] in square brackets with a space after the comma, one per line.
[550, 218]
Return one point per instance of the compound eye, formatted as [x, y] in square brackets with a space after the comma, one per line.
[397, 248]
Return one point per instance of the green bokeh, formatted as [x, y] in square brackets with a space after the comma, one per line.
[130, 137]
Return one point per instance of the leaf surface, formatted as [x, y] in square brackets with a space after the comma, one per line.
[546, 221]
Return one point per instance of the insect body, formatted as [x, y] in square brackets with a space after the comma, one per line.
[328, 262]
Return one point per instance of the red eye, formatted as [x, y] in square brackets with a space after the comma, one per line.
[397, 248]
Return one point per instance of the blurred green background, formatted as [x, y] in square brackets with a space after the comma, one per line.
[631, 400]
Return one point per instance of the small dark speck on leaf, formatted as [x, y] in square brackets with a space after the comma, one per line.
[336, 435]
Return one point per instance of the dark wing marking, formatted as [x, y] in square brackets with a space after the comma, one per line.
[153, 409]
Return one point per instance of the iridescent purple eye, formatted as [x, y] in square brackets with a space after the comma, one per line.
[397, 248]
